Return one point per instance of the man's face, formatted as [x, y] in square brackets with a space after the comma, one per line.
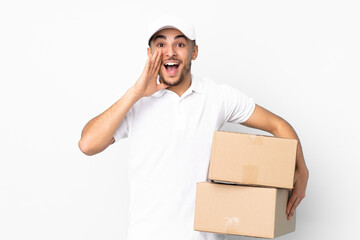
[177, 53]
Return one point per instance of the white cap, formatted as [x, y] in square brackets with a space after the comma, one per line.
[171, 21]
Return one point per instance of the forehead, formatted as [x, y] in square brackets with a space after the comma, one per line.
[169, 33]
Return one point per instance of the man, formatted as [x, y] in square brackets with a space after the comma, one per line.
[170, 116]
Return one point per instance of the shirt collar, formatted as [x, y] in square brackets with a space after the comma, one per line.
[197, 85]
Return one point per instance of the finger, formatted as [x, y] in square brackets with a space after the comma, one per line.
[153, 59]
[158, 59]
[294, 206]
[291, 202]
[150, 56]
[158, 62]
[147, 66]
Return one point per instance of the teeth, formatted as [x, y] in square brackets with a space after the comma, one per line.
[170, 64]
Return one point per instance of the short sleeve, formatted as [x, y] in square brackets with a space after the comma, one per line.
[123, 129]
[238, 107]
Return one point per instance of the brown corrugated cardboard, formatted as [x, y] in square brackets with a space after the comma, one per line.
[242, 210]
[252, 159]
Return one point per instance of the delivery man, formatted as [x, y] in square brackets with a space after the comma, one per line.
[170, 116]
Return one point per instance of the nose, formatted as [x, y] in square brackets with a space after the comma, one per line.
[169, 51]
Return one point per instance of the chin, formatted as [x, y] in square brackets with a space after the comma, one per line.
[171, 81]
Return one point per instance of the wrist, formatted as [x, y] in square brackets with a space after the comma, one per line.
[303, 171]
[134, 93]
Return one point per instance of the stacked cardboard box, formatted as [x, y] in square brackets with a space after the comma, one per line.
[251, 178]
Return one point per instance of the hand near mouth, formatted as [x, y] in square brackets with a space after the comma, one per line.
[147, 83]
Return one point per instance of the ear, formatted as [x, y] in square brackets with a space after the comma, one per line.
[148, 52]
[195, 52]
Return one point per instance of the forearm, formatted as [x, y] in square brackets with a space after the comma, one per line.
[98, 132]
[285, 130]
[301, 172]
[269, 122]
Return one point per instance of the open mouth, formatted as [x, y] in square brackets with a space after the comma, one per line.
[171, 67]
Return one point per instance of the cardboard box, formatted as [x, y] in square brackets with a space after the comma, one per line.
[253, 159]
[242, 210]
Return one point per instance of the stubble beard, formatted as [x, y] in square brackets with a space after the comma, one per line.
[183, 73]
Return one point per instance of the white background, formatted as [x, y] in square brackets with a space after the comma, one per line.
[64, 62]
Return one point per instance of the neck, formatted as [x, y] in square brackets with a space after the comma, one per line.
[183, 86]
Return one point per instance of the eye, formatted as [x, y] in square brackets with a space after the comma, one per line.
[160, 45]
[180, 45]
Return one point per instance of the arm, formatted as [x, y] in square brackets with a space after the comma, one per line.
[267, 121]
[98, 133]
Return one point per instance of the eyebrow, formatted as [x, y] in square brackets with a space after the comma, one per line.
[163, 37]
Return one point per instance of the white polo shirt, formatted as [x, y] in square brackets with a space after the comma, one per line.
[170, 141]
